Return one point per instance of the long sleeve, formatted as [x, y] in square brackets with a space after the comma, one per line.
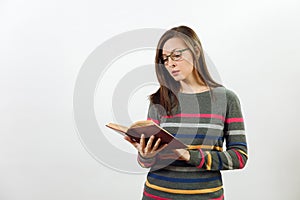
[151, 115]
[235, 156]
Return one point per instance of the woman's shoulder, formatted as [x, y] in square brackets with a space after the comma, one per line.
[229, 93]
[231, 96]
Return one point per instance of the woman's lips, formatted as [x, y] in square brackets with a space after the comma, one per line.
[175, 72]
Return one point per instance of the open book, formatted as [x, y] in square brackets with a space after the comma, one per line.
[148, 128]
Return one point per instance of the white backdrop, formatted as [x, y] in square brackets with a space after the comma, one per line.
[255, 46]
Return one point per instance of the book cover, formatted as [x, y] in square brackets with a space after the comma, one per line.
[148, 128]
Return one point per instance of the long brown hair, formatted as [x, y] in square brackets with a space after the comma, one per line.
[166, 94]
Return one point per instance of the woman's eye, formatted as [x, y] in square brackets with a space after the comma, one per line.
[176, 56]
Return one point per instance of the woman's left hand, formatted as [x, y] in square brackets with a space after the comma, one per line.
[183, 154]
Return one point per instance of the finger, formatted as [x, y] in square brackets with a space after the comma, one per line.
[142, 142]
[150, 142]
[162, 147]
[140, 150]
[148, 148]
[156, 145]
[135, 144]
[128, 139]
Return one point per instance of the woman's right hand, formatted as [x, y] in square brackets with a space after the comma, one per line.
[146, 150]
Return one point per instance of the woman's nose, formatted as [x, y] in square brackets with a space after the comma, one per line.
[171, 63]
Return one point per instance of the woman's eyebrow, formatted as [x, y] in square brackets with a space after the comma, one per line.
[171, 51]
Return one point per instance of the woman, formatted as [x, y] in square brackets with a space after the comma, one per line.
[198, 111]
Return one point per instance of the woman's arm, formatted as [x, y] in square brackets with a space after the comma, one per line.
[153, 115]
[235, 156]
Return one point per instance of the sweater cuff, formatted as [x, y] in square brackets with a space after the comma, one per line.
[146, 162]
[197, 158]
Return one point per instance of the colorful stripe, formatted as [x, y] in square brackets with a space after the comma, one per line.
[237, 144]
[192, 125]
[191, 115]
[154, 196]
[209, 161]
[183, 169]
[183, 180]
[205, 147]
[229, 160]
[178, 191]
[242, 152]
[236, 132]
[145, 164]
[233, 120]
[201, 136]
[218, 198]
[241, 162]
[168, 156]
[202, 159]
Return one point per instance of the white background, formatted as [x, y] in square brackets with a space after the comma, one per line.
[255, 46]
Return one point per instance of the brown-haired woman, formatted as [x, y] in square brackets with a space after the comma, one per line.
[198, 111]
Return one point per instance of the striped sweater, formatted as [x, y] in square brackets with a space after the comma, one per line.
[203, 121]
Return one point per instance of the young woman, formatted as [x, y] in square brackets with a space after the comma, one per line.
[198, 111]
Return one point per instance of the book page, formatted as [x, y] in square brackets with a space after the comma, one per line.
[118, 127]
[142, 123]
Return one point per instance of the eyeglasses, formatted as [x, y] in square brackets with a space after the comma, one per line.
[175, 56]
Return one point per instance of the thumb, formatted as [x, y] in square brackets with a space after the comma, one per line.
[135, 144]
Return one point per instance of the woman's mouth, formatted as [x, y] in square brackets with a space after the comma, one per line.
[175, 72]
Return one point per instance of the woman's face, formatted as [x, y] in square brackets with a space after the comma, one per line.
[182, 69]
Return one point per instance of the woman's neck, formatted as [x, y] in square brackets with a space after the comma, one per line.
[193, 85]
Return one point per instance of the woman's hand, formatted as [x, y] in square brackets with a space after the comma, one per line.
[183, 154]
[146, 150]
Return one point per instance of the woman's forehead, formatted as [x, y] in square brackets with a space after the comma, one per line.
[173, 44]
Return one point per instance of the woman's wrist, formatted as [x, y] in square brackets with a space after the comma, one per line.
[183, 154]
[146, 158]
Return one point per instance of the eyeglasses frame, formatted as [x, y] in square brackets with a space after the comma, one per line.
[170, 56]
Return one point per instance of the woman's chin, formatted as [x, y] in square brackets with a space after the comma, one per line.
[178, 78]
